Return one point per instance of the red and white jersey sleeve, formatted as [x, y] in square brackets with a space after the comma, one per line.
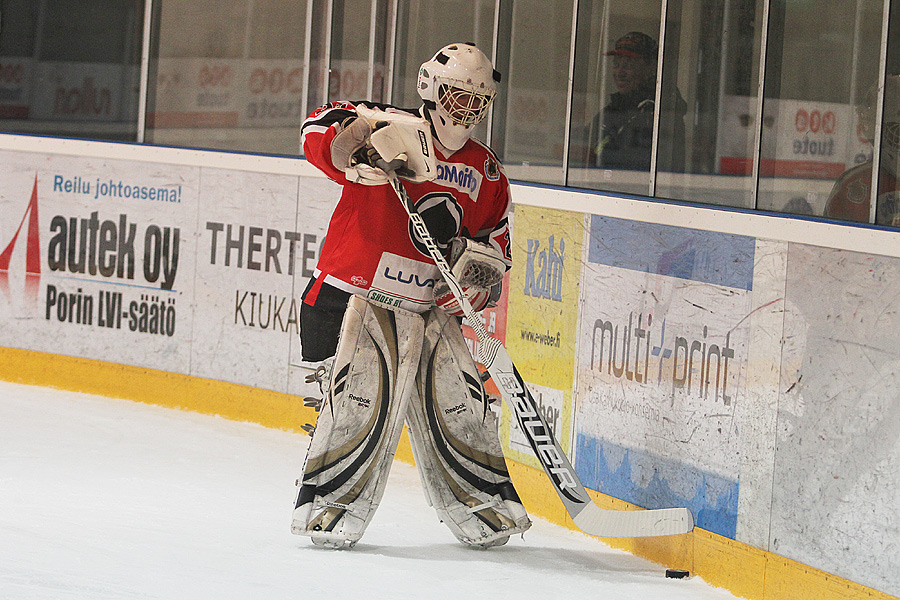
[370, 248]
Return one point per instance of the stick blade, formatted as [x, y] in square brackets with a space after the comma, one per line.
[633, 523]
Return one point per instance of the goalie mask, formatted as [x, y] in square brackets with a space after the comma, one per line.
[458, 85]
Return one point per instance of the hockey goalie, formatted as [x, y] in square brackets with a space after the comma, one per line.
[383, 326]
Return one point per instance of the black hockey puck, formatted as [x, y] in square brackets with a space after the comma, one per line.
[676, 573]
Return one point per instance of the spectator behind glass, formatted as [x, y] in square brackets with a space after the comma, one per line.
[621, 135]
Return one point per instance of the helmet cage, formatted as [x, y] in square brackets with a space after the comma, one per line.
[464, 103]
[457, 86]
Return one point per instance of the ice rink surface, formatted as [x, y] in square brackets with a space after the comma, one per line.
[109, 499]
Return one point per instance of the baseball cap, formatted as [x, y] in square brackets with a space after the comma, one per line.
[635, 44]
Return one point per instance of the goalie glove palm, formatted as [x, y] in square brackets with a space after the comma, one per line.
[475, 263]
[479, 268]
[479, 298]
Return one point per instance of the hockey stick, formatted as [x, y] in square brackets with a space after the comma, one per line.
[589, 517]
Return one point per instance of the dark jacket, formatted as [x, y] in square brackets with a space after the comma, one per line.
[622, 133]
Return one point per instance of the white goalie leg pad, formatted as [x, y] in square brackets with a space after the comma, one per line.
[359, 425]
[455, 442]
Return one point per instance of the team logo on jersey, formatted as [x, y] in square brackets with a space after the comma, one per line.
[464, 178]
[491, 169]
[443, 216]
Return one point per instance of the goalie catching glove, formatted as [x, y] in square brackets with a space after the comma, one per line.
[479, 268]
[374, 141]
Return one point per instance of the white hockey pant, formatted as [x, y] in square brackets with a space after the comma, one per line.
[455, 442]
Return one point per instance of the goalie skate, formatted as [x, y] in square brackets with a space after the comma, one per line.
[455, 442]
[359, 424]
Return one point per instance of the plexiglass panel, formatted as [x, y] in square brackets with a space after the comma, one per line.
[426, 26]
[888, 203]
[707, 129]
[71, 68]
[614, 95]
[822, 64]
[228, 74]
[358, 30]
[529, 124]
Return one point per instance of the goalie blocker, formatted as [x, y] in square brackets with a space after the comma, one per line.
[391, 366]
[375, 141]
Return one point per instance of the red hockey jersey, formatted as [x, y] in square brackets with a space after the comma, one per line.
[850, 196]
[371, 249]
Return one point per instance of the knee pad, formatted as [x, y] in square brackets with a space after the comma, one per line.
[359, 424]
[455, 442]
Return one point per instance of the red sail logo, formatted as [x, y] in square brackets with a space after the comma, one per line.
[32, 253]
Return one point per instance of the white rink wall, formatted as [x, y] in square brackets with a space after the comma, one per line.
[180, 267]
[751, 378]
[739, 364]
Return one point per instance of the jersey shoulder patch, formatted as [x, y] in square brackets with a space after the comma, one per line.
[491, 168]
[492, 165]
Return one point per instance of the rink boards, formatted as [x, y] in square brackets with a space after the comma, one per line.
[741, 365]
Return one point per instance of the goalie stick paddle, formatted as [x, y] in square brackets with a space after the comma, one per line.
[586, 515]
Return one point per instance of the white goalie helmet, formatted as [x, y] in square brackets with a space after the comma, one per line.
[458, 85]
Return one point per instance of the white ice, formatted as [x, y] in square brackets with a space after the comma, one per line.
[107, 498]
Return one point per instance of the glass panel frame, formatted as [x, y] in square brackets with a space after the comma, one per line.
[71, 69]
[812, 105]
[229, 75]
[613, 99]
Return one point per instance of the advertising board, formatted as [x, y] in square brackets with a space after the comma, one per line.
[543, 312]
[661, 366]
[98, 258]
